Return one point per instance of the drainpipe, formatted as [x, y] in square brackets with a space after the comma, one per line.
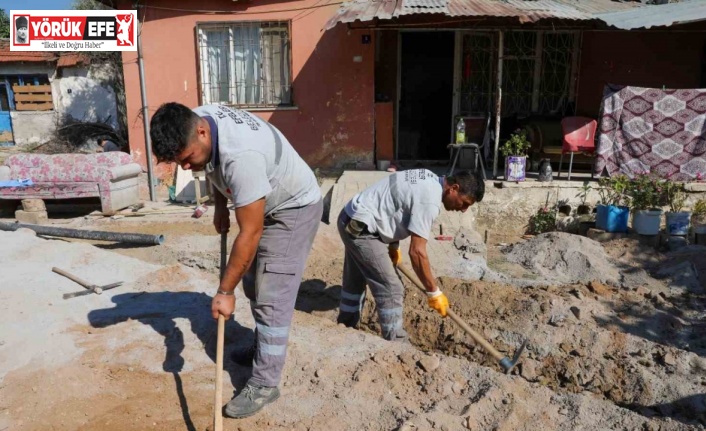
[145, 119]
[498, 102]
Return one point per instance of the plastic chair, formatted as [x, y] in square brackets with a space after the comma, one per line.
[457, 148]
[579, 137]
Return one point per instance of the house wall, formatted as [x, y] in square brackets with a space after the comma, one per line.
[332, 122]
[638, 58]
[31, 127]
[77, 92]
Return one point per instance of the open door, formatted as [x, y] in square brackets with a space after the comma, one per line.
[6, 138]
[426, 94]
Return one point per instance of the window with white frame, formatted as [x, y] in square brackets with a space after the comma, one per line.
[246, 64]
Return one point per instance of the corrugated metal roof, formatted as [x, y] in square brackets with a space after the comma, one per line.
[524, 10]
[657, 16]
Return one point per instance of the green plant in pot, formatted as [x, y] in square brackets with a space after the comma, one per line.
[612, 213]
[645, 194]
[515, 151]
[584, 209]
[677, 219]
[544, 220]
[698, 216]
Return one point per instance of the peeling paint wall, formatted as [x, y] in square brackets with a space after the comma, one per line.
[332, 121]
[32, 127]
[85, 99]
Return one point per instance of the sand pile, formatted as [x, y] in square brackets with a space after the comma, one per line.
[563, 258]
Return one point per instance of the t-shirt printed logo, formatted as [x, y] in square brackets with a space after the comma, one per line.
[411, 176]
[239, 117]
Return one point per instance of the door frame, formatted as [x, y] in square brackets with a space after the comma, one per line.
[4, 82]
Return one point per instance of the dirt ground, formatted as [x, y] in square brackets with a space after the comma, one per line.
[622, 349]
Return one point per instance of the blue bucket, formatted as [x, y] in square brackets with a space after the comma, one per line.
[611, 218]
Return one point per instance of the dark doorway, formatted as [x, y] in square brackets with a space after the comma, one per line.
[426, 91]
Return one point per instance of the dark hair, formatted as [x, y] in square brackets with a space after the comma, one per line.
[170, 130]
[21, 22]
[469, 184]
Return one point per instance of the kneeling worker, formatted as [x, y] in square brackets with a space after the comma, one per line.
[371, 226]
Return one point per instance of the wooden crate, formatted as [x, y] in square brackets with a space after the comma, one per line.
[33, 97]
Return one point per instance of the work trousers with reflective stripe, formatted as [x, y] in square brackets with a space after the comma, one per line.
[272, 284]
[367, 261]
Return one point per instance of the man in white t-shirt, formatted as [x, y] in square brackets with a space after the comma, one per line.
[372, 224]
[278, 207]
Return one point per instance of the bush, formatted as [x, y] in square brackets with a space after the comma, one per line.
[517, 145]
[543, 221]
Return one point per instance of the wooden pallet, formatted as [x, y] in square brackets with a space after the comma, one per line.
[33, 97]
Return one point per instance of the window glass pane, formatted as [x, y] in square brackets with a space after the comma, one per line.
[246, 63]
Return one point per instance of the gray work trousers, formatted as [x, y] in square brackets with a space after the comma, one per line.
[367, 261]
[272, 284]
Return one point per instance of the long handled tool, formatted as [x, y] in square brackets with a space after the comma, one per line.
[506, 363]
[90, 288]
[218, 403]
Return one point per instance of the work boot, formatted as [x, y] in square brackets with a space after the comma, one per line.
[244, 357]
[250, 400]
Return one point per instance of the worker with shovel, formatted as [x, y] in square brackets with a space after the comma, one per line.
[278, 207]
[372, 224]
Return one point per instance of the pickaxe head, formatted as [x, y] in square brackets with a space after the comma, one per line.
[508, 364]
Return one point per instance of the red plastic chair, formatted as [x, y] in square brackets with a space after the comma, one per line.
[579, 137]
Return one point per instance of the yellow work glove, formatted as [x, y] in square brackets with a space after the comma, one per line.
[395, 254]
[438, 301]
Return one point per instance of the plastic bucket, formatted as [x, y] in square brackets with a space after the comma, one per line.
[611, 218]
[647, 222]
[678, 223]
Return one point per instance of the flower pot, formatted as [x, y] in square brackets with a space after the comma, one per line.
[611, 218]
[678, 223]
[699, 223]
[646, 222]
[583, 209]
[515, 168]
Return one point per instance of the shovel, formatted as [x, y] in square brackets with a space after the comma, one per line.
[218, 402]
[506, 363]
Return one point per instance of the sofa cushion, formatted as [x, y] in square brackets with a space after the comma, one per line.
[66, 167]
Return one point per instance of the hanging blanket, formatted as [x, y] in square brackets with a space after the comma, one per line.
[647, 130]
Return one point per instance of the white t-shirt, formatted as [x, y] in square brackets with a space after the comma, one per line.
[256, 161]
[404, 203]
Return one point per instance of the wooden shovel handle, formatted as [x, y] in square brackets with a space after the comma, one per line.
[218, 401]
[449, 312]
[73, 278]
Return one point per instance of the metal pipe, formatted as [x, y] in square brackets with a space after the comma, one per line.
[498, 102]
[145, 119]
[133, 238]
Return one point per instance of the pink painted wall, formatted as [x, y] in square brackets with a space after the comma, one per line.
[333, 123]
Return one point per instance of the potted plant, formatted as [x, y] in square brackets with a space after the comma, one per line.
[544, 220]
[645, 192]
[584, 209]
[612, 213]
[515, 152]
[698, 216]
[677, 220]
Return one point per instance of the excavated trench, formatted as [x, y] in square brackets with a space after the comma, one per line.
[580, 340]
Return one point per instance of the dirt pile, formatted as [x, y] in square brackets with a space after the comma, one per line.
[621, 346]
[563, 258]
